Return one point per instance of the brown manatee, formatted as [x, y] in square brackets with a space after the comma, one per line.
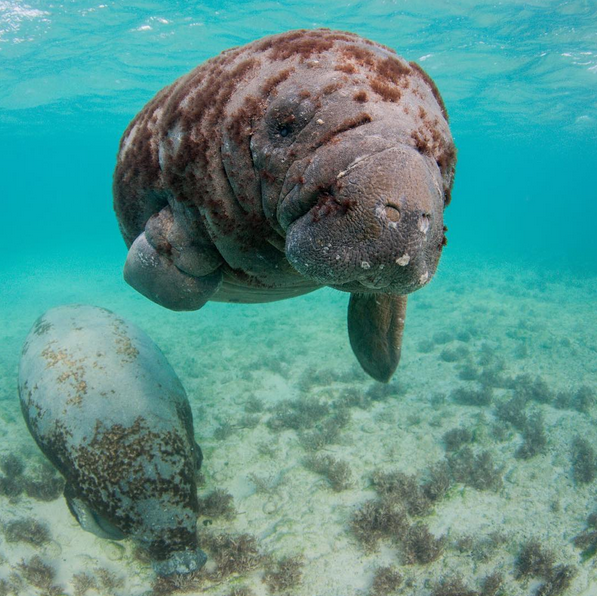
[301, 160]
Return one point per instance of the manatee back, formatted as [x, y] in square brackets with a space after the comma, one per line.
[87, 364]
[107, 409]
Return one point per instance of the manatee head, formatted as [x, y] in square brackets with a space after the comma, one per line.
[366, 175]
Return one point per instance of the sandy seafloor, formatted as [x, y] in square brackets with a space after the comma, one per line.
[509, 318]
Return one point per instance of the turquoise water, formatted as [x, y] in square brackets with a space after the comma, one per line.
[519, 275]
[518, 81]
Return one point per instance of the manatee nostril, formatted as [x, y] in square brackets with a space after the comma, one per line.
[424, 222]
[392, 212]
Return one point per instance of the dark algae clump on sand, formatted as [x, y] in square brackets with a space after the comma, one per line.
[40, 575]
[401, 489]
[535, 560]
[376, 520]
[27, 530]
[297, 414]
[481, 396]
[456, 438]
[587, 540]
[386, 581]
[336, 472]
[393, 518]
[421, 546]
[535, 437]
[83, 582]
[285, 574]
[218, 503]
[232, 553]
[476, 469]
[584, 461]
[455, 586]
[41, 484]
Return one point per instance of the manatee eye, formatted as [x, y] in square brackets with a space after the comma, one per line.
[286, 119]
[286, 125]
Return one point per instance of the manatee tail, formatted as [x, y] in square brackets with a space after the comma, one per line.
[375, 326]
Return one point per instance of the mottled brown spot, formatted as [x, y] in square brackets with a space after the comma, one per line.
[303, 43]
[392, 69]
[362, 56]
[270, 84]
[304, 46]
[360, 96]
[386, 91]
[41, 327]
[268, 176]
[331, 87]
[241, 124]
[421, 142]
[329, 204]
[73, 371]
[346, 68]
[430, 83]
[124, 345]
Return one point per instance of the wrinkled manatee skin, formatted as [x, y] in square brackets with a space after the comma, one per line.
[305, 159]
[109, 412]
[300, 160]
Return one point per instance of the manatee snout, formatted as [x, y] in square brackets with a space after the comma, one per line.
[372, 225]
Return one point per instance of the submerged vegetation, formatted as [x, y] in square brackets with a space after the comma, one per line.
[83, 582]
[40, 575]
[386, 581]
[376, 520]
[535, 438]
[217, 504]
[587, 540]
[455, 586]
[476, 469]
[584, 461]
[336, 472]
[356, 448]
[283, 575]
[232, 553]
[42, 484]
[534, 560]
[421, 546]
[27, 530]
[299, 414]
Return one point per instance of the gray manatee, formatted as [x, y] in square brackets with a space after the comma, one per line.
[106, 408]
[301, 160]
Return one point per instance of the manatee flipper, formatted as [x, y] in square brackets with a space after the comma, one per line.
[167, 266]
[88, 519]
[375, 326]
